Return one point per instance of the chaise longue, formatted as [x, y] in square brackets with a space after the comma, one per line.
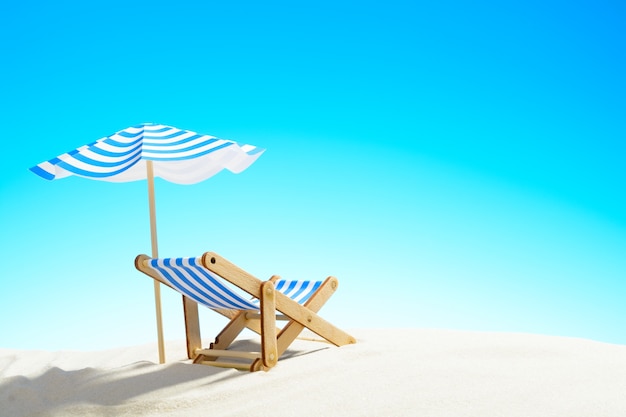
[212, 281]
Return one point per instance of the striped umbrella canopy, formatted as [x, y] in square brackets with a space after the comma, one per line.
[147, 151]
[179, 156]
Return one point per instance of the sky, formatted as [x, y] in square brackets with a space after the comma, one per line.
[455, 164]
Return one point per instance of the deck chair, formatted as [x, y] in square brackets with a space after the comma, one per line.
[216, 283]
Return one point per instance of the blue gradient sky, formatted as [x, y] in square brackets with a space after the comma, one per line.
[456, 165]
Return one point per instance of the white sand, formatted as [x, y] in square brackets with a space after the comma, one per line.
[388, 373]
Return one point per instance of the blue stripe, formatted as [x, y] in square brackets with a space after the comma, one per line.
[304, 299]
[92, 174]
[95, 162]
[286, 287]
[127, 134]
[102, 152]
[163, 129]
[209, 296]
[292, 285]
[173, 135]
[42, 172]
[219, 284]
[166, 274]
[180, 142]
[301, 290]
[182, 158]
[216, 299]
[165, 146]
[113, 142]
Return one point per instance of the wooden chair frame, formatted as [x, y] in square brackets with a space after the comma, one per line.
[274, 341]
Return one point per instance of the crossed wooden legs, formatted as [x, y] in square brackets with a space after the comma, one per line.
[273, 342]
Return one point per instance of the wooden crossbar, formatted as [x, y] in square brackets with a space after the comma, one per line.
[228, 353]
[234, 365]
[257, 316]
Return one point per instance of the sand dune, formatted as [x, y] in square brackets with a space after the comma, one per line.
[387, 373]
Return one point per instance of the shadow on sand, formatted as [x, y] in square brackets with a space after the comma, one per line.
[56, 389]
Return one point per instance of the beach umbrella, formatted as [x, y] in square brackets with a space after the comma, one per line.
[147, 151]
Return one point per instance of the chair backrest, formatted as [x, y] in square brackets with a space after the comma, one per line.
[299, 291]
[189, 277]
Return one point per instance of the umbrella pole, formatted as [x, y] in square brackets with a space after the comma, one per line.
[155, 254]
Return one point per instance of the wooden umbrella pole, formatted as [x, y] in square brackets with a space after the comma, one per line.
[155, 254]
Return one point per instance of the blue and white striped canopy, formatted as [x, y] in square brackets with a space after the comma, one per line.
[180, 156]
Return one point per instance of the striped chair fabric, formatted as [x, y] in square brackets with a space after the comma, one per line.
[189, 277]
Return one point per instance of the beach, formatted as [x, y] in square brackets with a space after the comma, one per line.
[390, 372]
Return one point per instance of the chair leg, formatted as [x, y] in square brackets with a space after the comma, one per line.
[269, 351]
[226, 336]
[192, 327]
[230, 332]
[291, 331]
[234, 327]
